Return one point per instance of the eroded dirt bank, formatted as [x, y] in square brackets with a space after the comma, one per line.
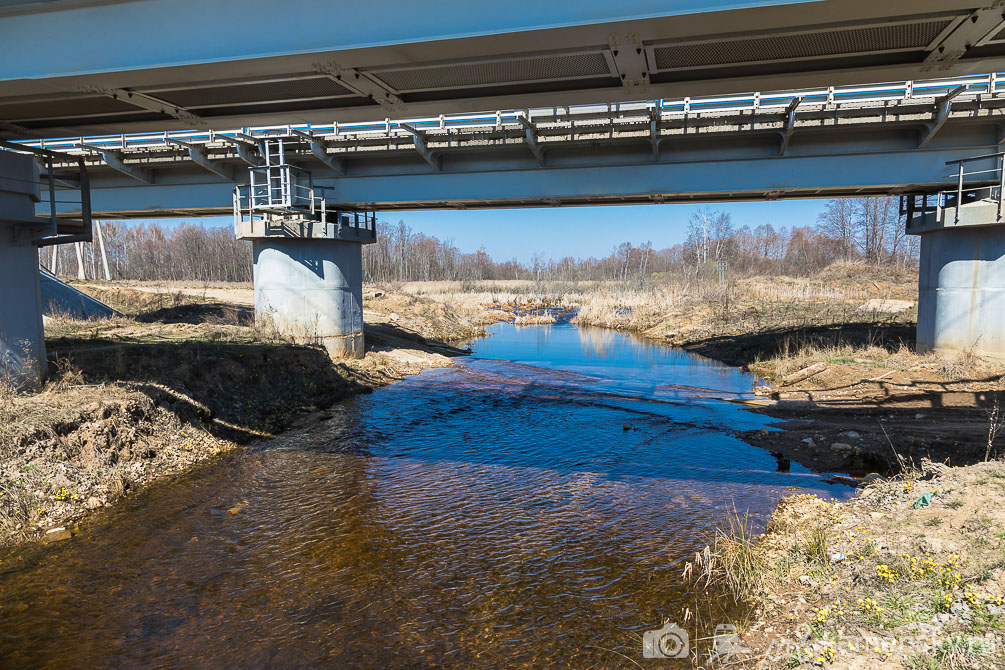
[178, 380]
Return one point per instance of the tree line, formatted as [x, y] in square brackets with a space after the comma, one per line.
[154, 252]
[866, 229]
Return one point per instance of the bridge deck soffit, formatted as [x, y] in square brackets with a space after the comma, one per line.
[782, 44]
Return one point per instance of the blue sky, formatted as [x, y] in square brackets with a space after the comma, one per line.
[582, 232]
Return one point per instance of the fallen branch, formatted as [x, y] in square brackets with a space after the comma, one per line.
[803, 374]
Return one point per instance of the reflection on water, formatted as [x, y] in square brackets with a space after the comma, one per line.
[533, 506]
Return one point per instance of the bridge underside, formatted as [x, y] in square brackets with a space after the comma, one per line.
[818, 161]
[131, 65]
[648, 183]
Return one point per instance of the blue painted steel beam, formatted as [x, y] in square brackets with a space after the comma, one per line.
[102, 37]
[740, 179]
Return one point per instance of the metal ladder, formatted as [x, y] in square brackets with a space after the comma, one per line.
[278, 179]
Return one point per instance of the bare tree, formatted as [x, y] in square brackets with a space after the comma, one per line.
[838, 222]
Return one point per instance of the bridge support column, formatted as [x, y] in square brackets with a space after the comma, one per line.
[961, 285]
[22, 340]
[312, 290]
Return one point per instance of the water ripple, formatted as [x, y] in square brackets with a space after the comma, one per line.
[533, 506]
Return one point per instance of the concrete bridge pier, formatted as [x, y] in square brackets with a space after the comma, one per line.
[961, 285]
[22, 340]
[309, 277]
[311, 290]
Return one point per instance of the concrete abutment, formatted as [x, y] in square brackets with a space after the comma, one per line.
[22, 340]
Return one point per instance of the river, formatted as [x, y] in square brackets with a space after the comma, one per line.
[531, 507]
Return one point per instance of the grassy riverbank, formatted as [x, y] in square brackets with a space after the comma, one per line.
[880, 581]
[183, 377]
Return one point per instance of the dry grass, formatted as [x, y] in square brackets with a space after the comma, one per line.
[958, 652]
[814, 545]
[733, 561]
[875, 582]
[996, 421]
[797, 352]
[534, 319]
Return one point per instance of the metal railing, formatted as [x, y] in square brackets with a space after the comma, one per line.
[311, 203]
[973, 87]
[58, 220]
[991, 182]
[981, 183]
[282, 196]
[281, 188]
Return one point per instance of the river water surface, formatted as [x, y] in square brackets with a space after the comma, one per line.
[531, 507]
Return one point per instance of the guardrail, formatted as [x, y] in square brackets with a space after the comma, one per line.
[58, 220]
[957, 88]
[972, 185]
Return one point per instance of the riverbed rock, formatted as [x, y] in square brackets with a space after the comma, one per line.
[841, 447]
[961, 610]
[93, 503]
[808, 441]
[57, 534]
[872, 477]
[937, 545]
